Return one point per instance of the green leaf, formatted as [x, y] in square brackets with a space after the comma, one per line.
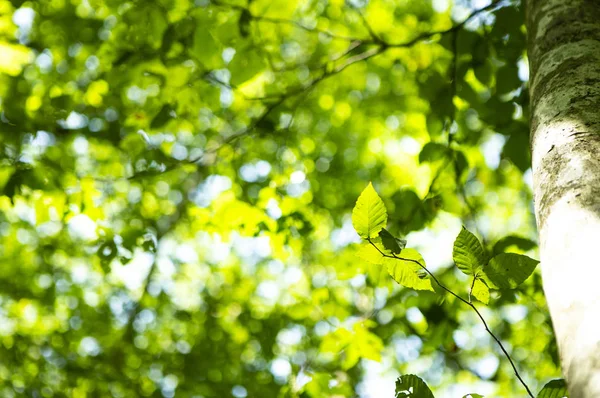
[468, 253]
[206, 48]
[412, 386]
[483, 72]
[554, 389]
[245, 65]
[162, 117]
[407, 272]
[435, 125]
[472, 395]
[507, 79]
[410, 212]
[244, 23]
[13, 184]
[516, 149]
[480, 51]
[433, 151]
[495, 111]
[369, 253]
[503, 244]
[369, 215]
[466, 41]
[508, 270]
[390, 242]
[481, 291]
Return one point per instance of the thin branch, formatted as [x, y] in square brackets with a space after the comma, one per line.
[326, 72]
[472, 287]
[455, 28]
[211, 78]
[374, 36]
[307, 28]
[443, 287]
[347, 51]
[349, 61]
[357, 58]
[380, 47]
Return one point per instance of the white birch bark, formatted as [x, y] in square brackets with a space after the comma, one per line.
[564, 57]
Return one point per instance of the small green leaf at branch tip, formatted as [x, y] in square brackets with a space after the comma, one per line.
[554, 389]
[369, 215]
[468, 254]
[508, 270]
[390, 242]
[472, 395]
[411, 386]
[406, 271]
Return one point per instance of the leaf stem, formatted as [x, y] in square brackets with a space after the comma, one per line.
[472, 287]
[443, 287]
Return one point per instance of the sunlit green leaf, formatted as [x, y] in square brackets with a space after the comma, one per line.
[433, 151]
[207, 49]
[468, 254]
[407, 272]
[508, 270]
[368, 252]
[369, 215]
[246, 65]
[480, 291]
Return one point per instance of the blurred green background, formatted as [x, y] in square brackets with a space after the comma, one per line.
[177, 179]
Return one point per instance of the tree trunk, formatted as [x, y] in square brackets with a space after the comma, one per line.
[564, 58]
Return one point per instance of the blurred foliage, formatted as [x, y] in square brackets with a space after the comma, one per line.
[177, 179]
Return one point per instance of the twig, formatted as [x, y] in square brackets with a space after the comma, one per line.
[374, 36]
[455, 28]
[472, 287]
[443, 287]
[380, 47]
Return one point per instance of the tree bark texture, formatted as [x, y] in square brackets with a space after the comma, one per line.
[564, 59]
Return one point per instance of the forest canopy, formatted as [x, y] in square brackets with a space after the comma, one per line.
[268, 198]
